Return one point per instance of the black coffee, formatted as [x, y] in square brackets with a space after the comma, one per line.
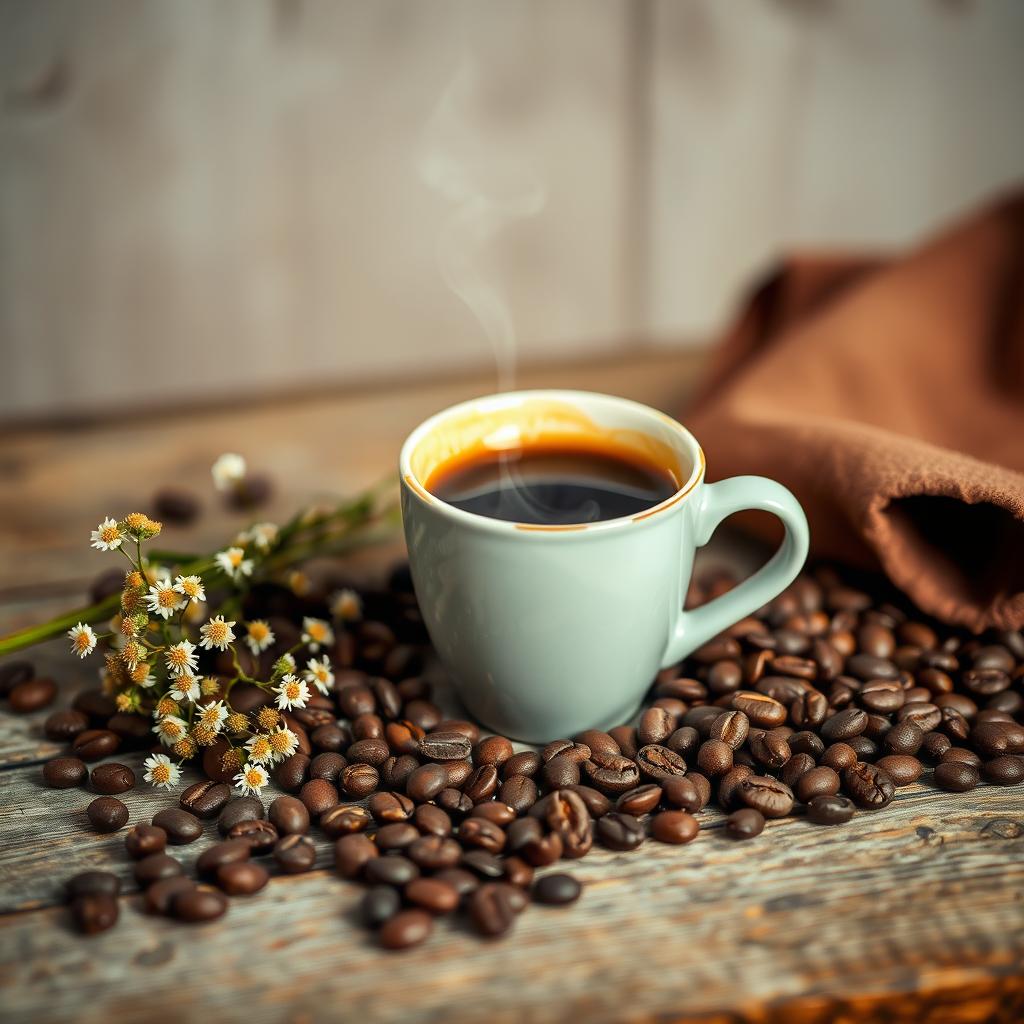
[552, 486]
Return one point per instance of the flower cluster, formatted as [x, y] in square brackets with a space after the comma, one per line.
[173, 648]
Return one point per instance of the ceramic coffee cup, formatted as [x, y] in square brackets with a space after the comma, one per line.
[550, 630]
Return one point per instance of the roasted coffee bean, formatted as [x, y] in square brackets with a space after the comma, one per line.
[962, 755]
[112, 778]
[903, 769]
[795, 768]
[344, 819]
[98, 705]
[31, 695]
[494, 750]
[142, 840]
[431, 820]
[95, 744]
[613, 773]
[161, 893]
[903, 738]
[684, 741]
[445, 746]
[379, 904]
[481, 833]
[229, 851]
[434, 853]
[492, 909]
[357, 700]
[830, 810]
[746, 823]
[956, 776]
[619, 831]
[926, 716]
[94, 913]
[391, 870]
[93, 883]
[388, 808]
[242, 878]
[292, 771]
[457, 772]
[395, 772]
[396, 836]
[714, 758]
[772, 798]
[561, 771]
[655, 726]
[700, 783]
[519, 792]
[518, 872]
[482, 784]
[352, 853]
[681, 793]
[289, 815]
[523, 831]
[454, 802]
[984, 682]
[674, 827]
[526, 763]
[568, 818]
[373, 752]
[357, 780]
[195, 906]
[14, 673]
[205, 799]
[1007, 770]
[64, 772]
[241, 808]
[368, 727]
[426, 782]
[838, 756]
[731, 727]
[881, 695]
[437, 897]
[329, 738]
[542, 850]
[868, 785]
[994, 738]
[658, 762]
[295, 853]
[762, 711]
[557, 890]
[769, 749]
[866, 666]
[64, 726]
[724, 676]
[594, 739]
[729, 783]
[641, 800]
[865, 749]
[625, 737]
[596, 802]
[820, 781]
[406, 928]
[261, 835]
[468, 729]
[934, 745]
[107, 814]
[181, 826]
[808, 743]
[844, 725]
[389, 701]
[318, 795]
[496, 812]
[424, 715]
[156, 867]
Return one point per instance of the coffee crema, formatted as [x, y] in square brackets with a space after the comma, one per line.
[559, 483]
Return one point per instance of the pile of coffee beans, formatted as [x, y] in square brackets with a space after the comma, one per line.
[822, 705]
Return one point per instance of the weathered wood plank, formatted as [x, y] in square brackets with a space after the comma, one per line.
[926, 895]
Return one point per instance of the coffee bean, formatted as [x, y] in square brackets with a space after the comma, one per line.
[956, 776]
[494, 750]
[519, 792]
[426, 782]
[761, 711]
[358, 780]
[772, 798]
[432, 895]
[496, 812]
[926, 716]
[839, 756]
[1007, 770]
[746, 823]
[904, 738]
[295, 853]
[181, 826]
[557, 890]
[482, 784]
[594, 739]
[241, 808]
[542, 849]
[64, 772]
[455, 803]
[95, 913]
[597, 803]
[655, 726]
[242, 878]
[31, 695]
[195, 906]
[406, 928]
[730, 727]
[352, 853]
[391, 870]
[807, 743]
[526, 763]
[619, 831]
[866, 666]
[658, 762]
[795, 768]
[568, 818]
[961, 754]
[819, 781]
[160, 895]
[830, 810]
[561, 771]
[112, 778]
[881, 695]
[291, 772]
[317, 796]
[288, 815]
[809, 709]
[681, 792]
[492, 909]
[107, 814]
[844, 725]
[769, 749]
[477, 832]
[64, 726]
[434, 853]
[714, 758]
[674, 827]
[445, 746]
[205, 799]
[379, 904]
[14, 673]
[142, 840]
[396, 836]
[261, 835]
[612, 773]
[684, 741]
[373, 752]
[95, 744]
[641, 800]
[156, 867]
[229, 851]
[868, 785]
[93, 883]
[994, 738]
[903, 769]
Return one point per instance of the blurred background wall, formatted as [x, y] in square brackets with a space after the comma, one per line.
[255, 196]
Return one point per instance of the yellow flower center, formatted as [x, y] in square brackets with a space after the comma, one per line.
[254, 776]
[280, 742]
[161, 773]
[316, 631]
[235, 557]
[217, 632]
[171, 729]
[177, 657]
[110, 533]
[261, 747]
[292, 691]
[81, 642]
[166, 597]
[259, 631]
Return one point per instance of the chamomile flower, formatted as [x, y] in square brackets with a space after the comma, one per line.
[107, 536]
[260, 749]
[319, 673]
[346, 605]
[181, 658]
[140, 526]
[161, 771]
[216, 633]
[285, 664]
[261, 535]
[283, 742]
[292, 693]
[228, 471]
[233, 563]
[164, 600]
[212, 716]
[184, 687]
[259, 636]
[171, 729]
[83, 639]
[132, 654]
[145, 678]
[191, 587]
[251, 780]
[316, 632]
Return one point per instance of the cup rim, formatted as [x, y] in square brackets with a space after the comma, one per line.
[418, 489]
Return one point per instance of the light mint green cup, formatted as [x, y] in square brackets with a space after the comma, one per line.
[547, 631]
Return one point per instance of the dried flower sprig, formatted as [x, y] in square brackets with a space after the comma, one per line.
[174, 611]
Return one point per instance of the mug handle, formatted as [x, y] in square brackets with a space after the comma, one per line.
[722, 499]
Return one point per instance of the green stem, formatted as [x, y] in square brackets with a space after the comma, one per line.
[31, 635]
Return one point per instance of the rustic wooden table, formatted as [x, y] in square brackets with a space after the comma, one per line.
[913, 913]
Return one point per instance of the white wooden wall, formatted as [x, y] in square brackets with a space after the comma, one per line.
[248, 196]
